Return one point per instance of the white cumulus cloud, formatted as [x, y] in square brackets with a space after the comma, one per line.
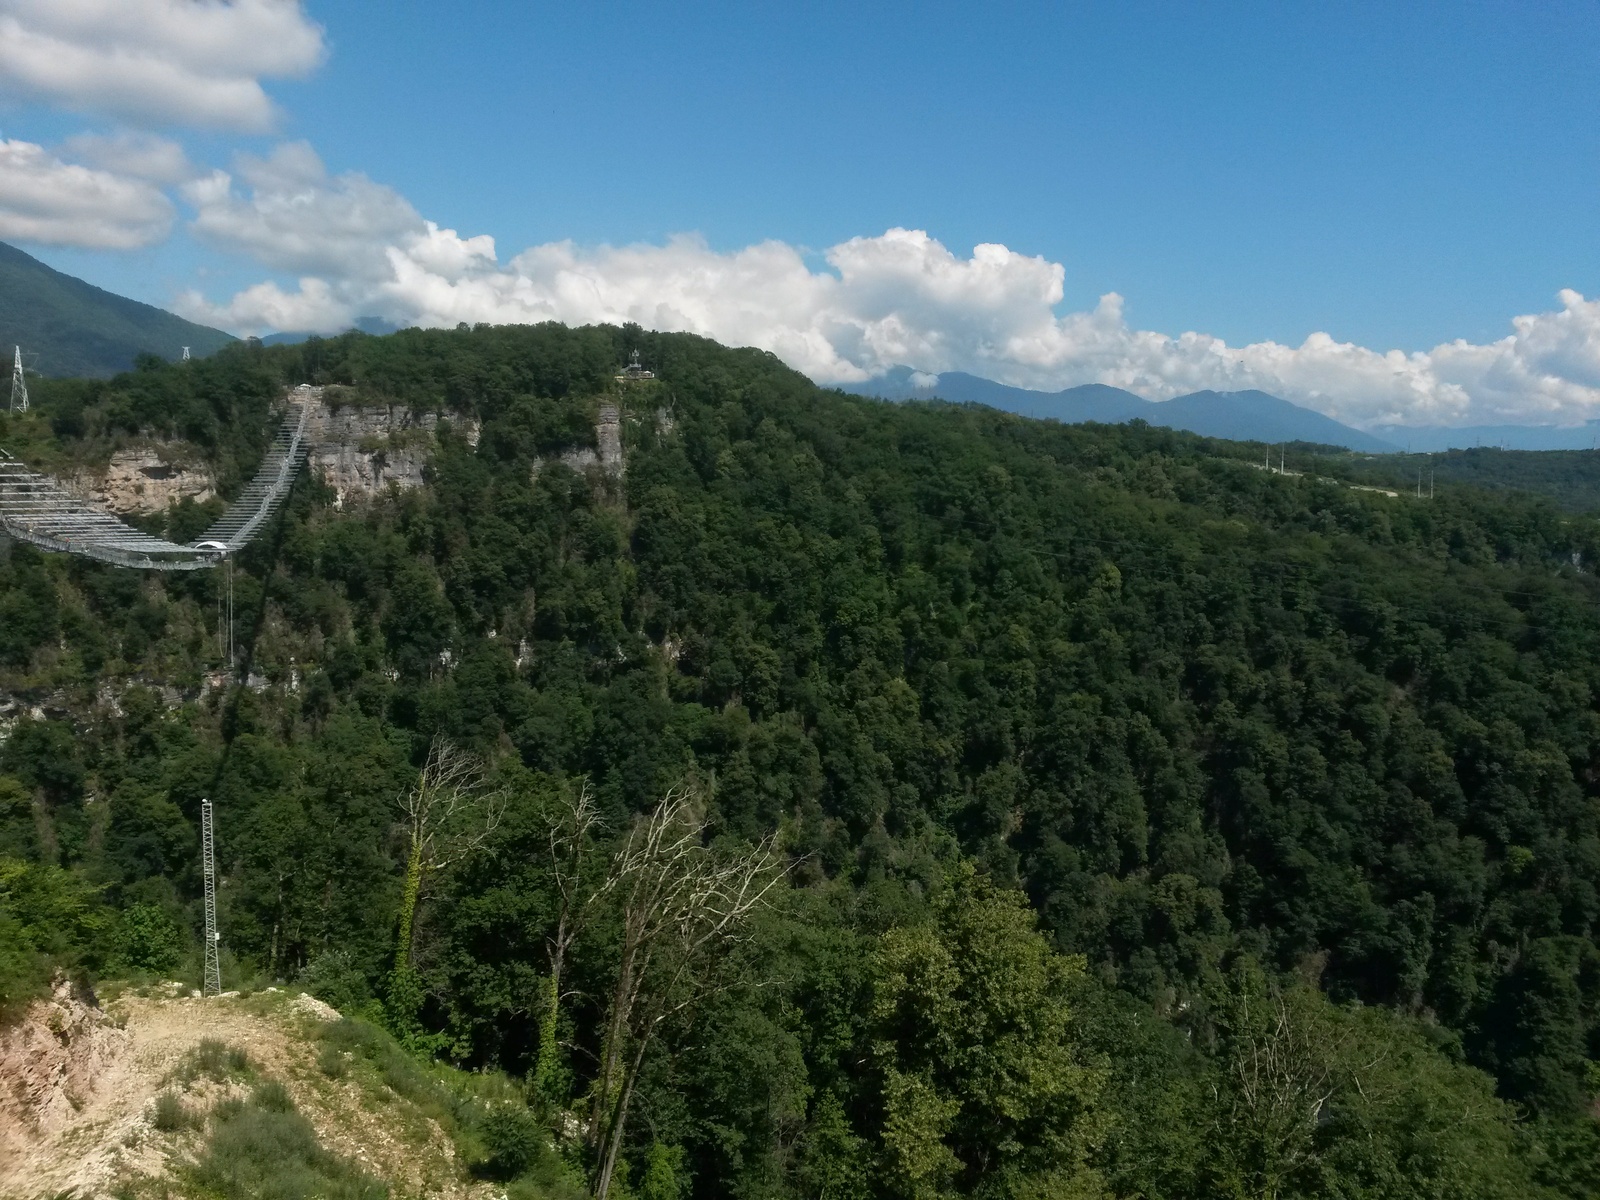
[43, 199]
[293, 216]
[900, 298]
[196, 63]
[354, 247]
[140, 155]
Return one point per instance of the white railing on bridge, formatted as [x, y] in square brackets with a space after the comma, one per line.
[35, 508]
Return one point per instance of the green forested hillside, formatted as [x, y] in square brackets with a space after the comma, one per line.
[1569, 477]
[1149, 824]
[68, 327]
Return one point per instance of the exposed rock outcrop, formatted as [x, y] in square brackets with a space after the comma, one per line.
[607, 459]
[140, 480]
[52, 1063]
[10, 713]
[112, 1141]
[358, 451]
[363, 451]
[608, 436]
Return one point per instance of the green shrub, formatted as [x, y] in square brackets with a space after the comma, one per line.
[23, 970]
[214, 1060]
[49, 919]
[333, 1062]
[148, 940]
[272, 1096]
[334, 978]
[512, 1141]
[663, 1174]
[261, 1149]
[171, 1115]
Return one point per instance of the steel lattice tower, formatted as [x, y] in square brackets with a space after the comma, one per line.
[213, 980]
[19, 385]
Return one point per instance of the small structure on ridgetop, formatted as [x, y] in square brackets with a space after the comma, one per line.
[633, 372]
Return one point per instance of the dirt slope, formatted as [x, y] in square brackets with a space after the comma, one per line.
[78, 1085]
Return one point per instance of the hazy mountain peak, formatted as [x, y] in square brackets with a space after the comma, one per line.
[1239, 416]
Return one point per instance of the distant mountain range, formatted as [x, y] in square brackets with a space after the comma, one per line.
[1430, 439]
[67, 327]
[376, 326]
[1238, 416]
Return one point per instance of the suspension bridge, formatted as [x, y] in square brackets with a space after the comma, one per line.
[35, 508]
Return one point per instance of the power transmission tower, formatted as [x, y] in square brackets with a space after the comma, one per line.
[185, 354]
[19, 385]
[213, 980]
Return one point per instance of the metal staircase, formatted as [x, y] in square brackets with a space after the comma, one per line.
[264, 494]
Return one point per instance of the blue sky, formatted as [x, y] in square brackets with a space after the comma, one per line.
[1394, 176]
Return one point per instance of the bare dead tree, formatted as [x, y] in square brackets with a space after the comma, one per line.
[1286, 1064]
[448, 813]
[683, 906]
[571, 841]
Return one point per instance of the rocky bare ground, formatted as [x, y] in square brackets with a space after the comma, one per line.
[79, 1081]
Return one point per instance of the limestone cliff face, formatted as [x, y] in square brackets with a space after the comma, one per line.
[357, 451]
[363, 451]
[608, 437]
[139, 480]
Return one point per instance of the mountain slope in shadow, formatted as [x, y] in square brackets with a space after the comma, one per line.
[67, 327]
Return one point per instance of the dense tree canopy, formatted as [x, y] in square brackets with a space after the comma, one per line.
[1107, 766]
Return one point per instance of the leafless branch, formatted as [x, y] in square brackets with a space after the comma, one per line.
[682, 903]
[451, 810]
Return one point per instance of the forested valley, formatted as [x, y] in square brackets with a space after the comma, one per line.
[848, 800]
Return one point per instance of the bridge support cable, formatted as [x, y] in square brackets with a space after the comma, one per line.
[35, 508]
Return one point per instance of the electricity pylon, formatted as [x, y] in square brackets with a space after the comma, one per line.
[213, 980]
[19, 385]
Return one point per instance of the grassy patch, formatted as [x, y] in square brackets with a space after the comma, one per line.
[484, 1113]
[348, 1040]
[333, 1062]
[171, 1114]
[216, 1061]
[262, 1149]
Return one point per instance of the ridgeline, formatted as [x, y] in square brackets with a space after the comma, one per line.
[67, 327]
